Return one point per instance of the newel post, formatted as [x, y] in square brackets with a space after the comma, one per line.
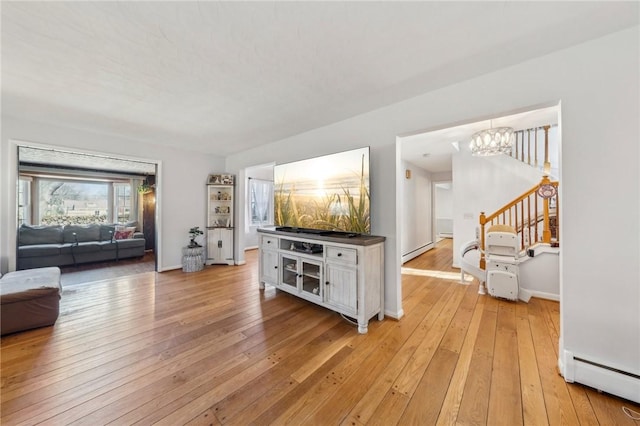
[483, 220]
[547, 163]
[546, 227]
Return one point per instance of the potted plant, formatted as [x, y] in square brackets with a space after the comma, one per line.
[194, 233]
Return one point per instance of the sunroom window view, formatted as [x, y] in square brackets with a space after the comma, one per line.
[85, 214]
[74, 202]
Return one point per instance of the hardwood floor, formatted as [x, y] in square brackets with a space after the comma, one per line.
[210, 348]
[98, 271]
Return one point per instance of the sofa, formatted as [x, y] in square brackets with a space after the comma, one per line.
[58, 245]
[29, 299]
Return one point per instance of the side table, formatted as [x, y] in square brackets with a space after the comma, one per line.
[192, 259]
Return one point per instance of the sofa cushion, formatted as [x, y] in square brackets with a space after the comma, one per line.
[30, 235]
[108, 246]
[107, 232]
[86, 247]
[39, 250]
[133, 223]
[131, 243]
[83, 233]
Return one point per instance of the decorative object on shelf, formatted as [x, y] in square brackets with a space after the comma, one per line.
[492, 141]
[194, 233]
[220, 179]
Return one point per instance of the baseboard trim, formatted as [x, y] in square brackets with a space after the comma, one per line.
[542, 295]
[601, 377]
[395, 315]
[170, 268]
[417, 252]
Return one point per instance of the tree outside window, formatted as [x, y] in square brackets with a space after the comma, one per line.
[72, 202]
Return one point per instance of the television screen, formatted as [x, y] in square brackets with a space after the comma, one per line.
[324, 193]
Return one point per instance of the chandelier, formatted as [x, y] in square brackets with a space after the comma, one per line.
[492, 141]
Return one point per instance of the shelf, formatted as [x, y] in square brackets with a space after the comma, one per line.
[293, 284]
[220, 203]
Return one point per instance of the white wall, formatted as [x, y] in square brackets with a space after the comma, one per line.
[599, 288]
[181, 182]
[484, 184]
[417, 232]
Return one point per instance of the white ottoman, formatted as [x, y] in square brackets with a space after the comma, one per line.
[29, 299]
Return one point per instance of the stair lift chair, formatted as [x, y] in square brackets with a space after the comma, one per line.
[501, 254]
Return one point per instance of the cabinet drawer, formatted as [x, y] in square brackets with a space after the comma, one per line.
[344, 255]
[269, 243]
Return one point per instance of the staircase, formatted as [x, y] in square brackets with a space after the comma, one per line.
[534, 215]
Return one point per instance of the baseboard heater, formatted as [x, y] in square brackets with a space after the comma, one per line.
[416, 252]
[602, 377]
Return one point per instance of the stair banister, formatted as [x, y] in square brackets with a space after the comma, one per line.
[547, 163]
[546, 230]
[527, 221]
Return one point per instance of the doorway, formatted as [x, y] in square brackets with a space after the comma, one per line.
[443, 209]
[58, 188]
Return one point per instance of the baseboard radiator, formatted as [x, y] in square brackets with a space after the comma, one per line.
[417, 252]
[601, 377]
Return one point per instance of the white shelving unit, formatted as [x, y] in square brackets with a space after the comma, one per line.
[220, 227]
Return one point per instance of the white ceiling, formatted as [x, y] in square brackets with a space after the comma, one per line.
[222, 77]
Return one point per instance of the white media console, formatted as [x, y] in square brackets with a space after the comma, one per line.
[342, 272]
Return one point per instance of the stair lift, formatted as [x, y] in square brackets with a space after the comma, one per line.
[501, 254]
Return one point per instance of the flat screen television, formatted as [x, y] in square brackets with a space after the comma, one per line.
[328, 193]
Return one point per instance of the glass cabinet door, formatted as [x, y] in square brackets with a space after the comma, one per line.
[289, 271]
[311, 278]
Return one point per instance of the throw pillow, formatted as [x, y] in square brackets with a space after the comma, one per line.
[124, 232]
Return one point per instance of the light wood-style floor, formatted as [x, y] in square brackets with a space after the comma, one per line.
[210, 348]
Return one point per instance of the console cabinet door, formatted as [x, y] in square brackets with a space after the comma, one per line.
[341, 287]
[311, 279]
[269, 264]
[289, 273]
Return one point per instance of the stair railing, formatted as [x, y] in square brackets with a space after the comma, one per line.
[526, 141]
[534, 215]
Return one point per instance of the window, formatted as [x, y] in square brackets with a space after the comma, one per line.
[24, 200]
[261, 201]
[122, 201]
[64, 202]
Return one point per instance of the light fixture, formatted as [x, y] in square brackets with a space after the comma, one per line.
[492, 141]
